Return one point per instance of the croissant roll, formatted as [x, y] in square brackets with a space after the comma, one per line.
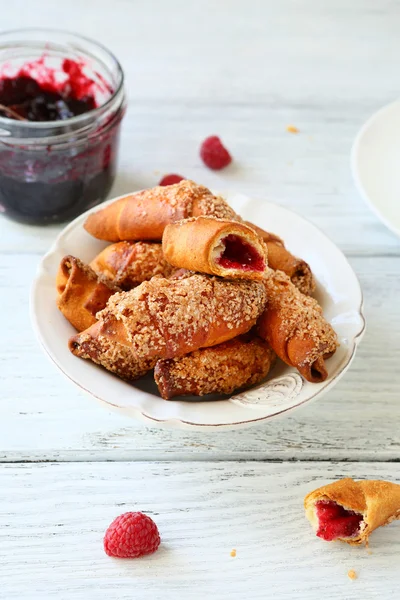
[144, 215]
[350, 511]
[239, 363]
[295, 328]
[81, 293]
[280, 259]
[129, 264]
[215, 246]
[165, 318]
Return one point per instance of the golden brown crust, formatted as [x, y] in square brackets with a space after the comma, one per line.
[130, 263]
[378, 502]
[294, 326]
[81, 293]
[165, 318]
[106, 344]
[199, 242]
[238, 363]
[144, 215]
[280, 259]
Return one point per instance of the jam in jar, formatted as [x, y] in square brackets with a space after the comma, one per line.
[61, 105]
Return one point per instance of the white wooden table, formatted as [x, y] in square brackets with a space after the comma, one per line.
[243, 70]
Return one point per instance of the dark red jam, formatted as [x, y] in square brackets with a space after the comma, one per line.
[238, 254]
[48, 183]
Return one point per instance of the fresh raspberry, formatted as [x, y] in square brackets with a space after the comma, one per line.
[171, 179]
[215, 156]
[131, 535]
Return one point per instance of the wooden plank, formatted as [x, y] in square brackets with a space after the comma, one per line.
[53, 518]
[44, 417]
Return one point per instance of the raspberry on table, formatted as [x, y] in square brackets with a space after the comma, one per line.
[214, 154]
[131, 535]
[171, 179]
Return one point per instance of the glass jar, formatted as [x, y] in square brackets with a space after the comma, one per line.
[51, 171]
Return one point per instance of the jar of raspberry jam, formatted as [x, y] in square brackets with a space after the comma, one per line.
[61, 104]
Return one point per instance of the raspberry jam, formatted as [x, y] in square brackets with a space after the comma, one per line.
[238, 254]
[60, 116]
[334, 521]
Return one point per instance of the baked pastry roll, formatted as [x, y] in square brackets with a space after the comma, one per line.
[128, 264]
[215, 246]
[81, 293]
[144, 215]
[280, 259]
[165, 318]
[239, 363]
[349, 510]
[295, 328]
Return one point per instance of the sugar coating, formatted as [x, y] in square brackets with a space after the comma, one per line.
[238, 363]
[100, 344]
[187, 198]
[170, 317]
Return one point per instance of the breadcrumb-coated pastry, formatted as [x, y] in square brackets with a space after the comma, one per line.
[81, 292]
[350, 511]
[130, 263]
[165, 318]
[215, 246]
[144, 215]
[221, 369]
[295, 328]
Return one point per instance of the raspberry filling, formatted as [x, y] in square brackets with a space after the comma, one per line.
[335, 522]
[239, 254]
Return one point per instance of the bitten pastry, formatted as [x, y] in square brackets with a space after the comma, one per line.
[349, 510]
[165, 318]
[280, 259]
[129, 264]
[239, 363]
[295, 328]
[215, 246]
[144, 215]
[81, 293]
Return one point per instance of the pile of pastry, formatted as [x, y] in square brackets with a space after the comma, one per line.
[189, 290]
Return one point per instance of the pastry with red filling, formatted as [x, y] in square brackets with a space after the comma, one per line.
[215, 246]
[349, 511]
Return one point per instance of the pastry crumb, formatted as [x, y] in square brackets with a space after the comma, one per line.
[233, 552]
[292, 129]
[352, 574]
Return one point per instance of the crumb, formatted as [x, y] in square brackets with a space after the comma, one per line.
[233, 552]
[352, 574]
[292, 129]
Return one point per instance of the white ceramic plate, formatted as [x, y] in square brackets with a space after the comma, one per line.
[338, 291]
[375, 162]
